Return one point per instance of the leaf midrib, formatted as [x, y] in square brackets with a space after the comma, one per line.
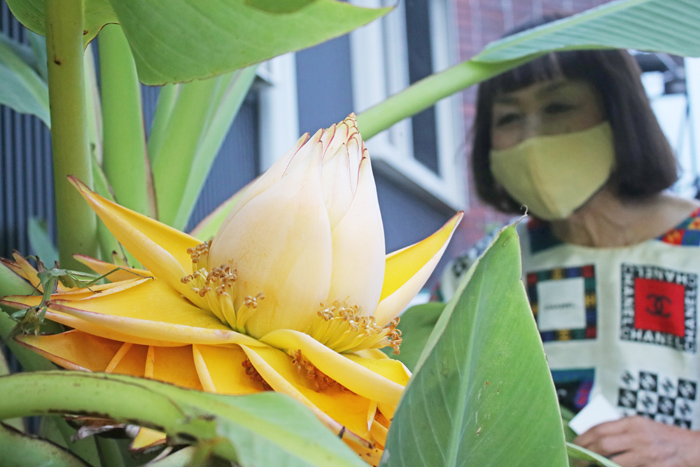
[465, 382]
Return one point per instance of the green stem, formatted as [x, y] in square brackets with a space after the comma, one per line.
[124, 144]
[110, 397]
[427, 92]
[77, 224]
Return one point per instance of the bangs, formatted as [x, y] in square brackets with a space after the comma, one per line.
[545, 68]
[572, 65]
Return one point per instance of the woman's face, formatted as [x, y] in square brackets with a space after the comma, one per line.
[544, 108]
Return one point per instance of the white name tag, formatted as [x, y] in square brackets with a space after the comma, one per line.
[561, 304]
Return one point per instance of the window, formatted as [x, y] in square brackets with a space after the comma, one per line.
[423, 154]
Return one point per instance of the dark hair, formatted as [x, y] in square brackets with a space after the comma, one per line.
[645, 164]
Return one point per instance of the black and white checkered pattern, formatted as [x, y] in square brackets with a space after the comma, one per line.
[664, 399]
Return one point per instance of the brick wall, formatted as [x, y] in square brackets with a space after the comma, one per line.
[480, 22]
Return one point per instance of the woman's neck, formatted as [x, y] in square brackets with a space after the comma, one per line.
[607, 221]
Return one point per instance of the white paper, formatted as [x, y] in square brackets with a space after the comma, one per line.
[597, 411]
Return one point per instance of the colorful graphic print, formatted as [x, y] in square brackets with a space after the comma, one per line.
[686, 233]
[590, 322]
[573, 387]
[659, 306]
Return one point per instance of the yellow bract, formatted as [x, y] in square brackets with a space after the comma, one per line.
[294, 294]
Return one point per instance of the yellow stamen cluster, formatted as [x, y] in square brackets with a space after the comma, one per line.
[217, 289]
[200, 254]
[321, 380]
[343, 328]
[220, 279]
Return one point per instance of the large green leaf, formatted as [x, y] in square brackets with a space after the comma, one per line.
[40, 241]
[655, 25]
[416, 325]
[31, 14]
[186, 125]
[12, 284]
[21, 88]
[669, 26]
[192, 121]
[579, 453]
[31, 361]
[182, 40]
[57, 430]
[260, 429]
[18, 449]
[482, 393]
[232, 94]
[279, 6]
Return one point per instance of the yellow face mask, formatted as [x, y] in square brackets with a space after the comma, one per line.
[555, 175]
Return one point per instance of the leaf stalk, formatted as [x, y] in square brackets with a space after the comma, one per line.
[77, 224]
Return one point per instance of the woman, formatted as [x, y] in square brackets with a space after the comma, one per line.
[611, 261]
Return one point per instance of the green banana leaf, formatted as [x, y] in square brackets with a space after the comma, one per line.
[187, 123]
[654, 25]
[40, 241]
[31, 14]
[17, 449]
[416, 325]
[577, 452]
[481, 393]
[671, 26]
[260, 429]
[12, 284]
[23, 88]
[181, 40]
[279, 6]
[232, 94]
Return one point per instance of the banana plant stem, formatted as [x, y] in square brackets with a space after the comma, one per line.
[77, 224]
[427, 92]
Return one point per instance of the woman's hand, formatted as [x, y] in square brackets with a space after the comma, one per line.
[640, 442]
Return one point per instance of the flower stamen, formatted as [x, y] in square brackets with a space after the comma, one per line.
[200, 254]
[246, 310]
[321, 381]
[254, 375]
[217, 289]
[344, 328]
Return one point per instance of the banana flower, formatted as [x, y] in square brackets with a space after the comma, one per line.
[293, 294]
